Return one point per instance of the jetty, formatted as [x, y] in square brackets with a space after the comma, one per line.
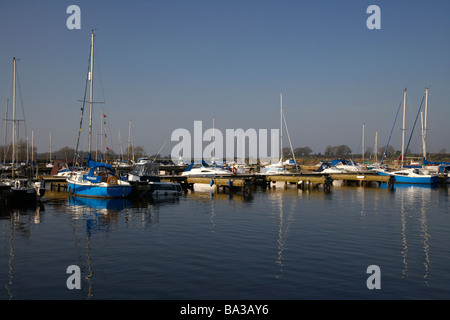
[304, 181]
[246, 182]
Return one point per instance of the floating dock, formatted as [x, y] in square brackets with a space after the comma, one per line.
[246, 182]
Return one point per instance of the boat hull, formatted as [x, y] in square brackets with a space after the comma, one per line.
[23, 195]
[99, 191]
[412, 180]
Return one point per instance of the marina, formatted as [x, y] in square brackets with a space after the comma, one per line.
[245, 175]
[245, 184]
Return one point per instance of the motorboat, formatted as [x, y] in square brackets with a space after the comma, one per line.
[205, 170]
[327, 167]
[346, 165]
[274, 168]
[145, 180]
[25, 190]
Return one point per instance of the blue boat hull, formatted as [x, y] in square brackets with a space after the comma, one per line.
[412, 180]
[99, 191]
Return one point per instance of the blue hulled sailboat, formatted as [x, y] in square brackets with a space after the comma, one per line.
[99, 180]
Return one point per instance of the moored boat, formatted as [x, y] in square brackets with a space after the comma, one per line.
[411, 176]
[205, 170]
[145, 180]
[100, 181]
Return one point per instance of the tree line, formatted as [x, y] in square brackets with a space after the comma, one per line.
[25, 152]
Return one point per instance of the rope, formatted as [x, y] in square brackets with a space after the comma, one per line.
[390, 134]
[82, 110]
[417, 116]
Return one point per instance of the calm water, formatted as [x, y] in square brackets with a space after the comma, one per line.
[281, 244]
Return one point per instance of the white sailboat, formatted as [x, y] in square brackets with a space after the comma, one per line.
[409, 175]
[431, 167]
[280, 166]
[23, 189]
[50, 163]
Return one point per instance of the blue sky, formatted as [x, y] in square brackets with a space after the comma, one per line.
[165, 64]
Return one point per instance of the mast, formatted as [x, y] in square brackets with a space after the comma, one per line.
[14, 119]
[50, 159]
[120, 147]
[403, 128]
[424, 129]
[6, 130]
[214, 142]
[281, 127]
[28, 143]
[91, 78]
[129, 141]
[32, 152]
[376, 146]
[101, 135]
[363, 142]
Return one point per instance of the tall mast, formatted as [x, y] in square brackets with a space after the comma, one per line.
[424, 130]
[91, 78]
[101, 135]
[129, 141]
[120, 147]
[281, 126]
[363, 142]
[14, 118]
[32, 152]
[403, 128]
[6, 130]
[214, 142]
[50, 159]
[376, 146]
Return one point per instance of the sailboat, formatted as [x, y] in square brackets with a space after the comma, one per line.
[50, 163]
[432, 167]
[22, 189]
[280, 166]
[408, 175]
[100, 180]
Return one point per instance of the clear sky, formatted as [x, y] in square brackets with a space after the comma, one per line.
[164, 64]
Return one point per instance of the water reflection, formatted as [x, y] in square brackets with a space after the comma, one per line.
[17, 223]
[97, 217]
[290, 233]
[284, 205]
[415, 198]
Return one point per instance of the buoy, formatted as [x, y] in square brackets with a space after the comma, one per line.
[111, 180]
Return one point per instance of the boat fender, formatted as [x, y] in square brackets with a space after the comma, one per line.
[234, 170]
[112, 180]
[211, 182]
[230, 183]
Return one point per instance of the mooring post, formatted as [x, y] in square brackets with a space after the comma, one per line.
[390, 183]
[327, 184]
